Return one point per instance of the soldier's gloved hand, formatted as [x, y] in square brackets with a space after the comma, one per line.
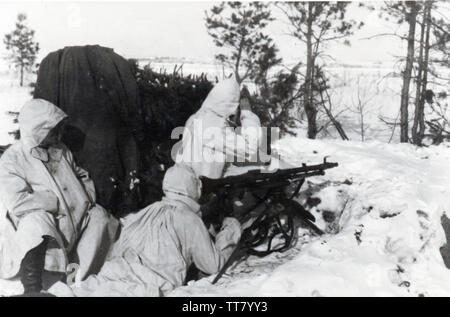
[231, 228]
[230, 222]
[246, 224]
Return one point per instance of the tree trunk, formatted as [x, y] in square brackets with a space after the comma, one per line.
[361, 126]
[414, 132]
[21, 75]
[404, 101]
[425, 73]
[308, 98]
[333, 120]
[238, 61]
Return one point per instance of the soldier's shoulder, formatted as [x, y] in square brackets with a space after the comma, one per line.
[11, 151]
[11, 154]
[188, 216]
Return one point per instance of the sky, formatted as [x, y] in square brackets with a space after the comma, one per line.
[170, 28]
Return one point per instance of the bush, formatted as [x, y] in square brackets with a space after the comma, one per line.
[168, 100]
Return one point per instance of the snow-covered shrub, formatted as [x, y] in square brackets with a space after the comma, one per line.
[168, 100]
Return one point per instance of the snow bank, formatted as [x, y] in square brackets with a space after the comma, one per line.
[384, 238]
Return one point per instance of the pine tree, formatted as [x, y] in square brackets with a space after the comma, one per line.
[315, 24]
[426, 56]
[276, 98]
[411, 10]
[237, 28]
[418, 128]
[22, 46]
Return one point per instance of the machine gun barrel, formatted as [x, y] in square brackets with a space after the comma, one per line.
[254, 179]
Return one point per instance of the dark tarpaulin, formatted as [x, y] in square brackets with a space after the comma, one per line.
[97, 89]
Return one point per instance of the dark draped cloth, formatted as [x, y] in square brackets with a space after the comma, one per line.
[97, 89]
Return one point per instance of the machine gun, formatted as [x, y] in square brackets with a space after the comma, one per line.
[273, 213]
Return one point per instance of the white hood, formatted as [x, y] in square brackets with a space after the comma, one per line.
[223, 99]
[37, 117]
[181, 180]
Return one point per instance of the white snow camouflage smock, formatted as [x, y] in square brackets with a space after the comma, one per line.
[43, 192]
[159, 243]
[205, 149]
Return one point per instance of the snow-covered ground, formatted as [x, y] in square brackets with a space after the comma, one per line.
[386, 201]
[386, 235]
